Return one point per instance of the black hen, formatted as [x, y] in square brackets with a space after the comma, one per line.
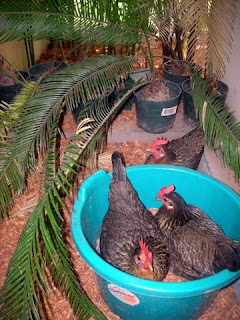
[185, 151]
[197, 246]
[129, 237]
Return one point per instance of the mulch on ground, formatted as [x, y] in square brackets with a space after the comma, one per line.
[225, 306]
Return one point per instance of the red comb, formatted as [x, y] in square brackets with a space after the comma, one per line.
[143, 247]
[159, 142]
[165, 190]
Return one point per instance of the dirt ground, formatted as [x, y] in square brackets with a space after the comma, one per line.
[225, 306]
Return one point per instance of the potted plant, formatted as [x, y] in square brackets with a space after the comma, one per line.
[177, 70]
[10, 82]
[156, 105]
[33, 134]
[217, 87]
[37, 70]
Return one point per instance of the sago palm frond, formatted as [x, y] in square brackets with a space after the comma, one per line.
[163, 18]
[222, 17]
[37, 126]
[221, 128]
[12, 180]
[45, 20]
[42, 235]
[213, 21]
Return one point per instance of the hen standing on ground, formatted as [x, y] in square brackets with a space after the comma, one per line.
[185, 151]
[129, 237]
[197, 246]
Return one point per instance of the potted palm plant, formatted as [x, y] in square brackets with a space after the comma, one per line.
[34, 121]
[220, 90]
[156, 105]
[177, 70]
[11, 81]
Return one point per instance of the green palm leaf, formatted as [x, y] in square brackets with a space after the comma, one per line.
[11, 176]
[213, 21]
[37, 124]
[221, 128]
[26, 269]
[43, 20]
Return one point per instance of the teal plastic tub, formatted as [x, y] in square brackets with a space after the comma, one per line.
[133, 298]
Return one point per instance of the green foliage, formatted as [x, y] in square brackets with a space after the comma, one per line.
[212, 21]
[221, 129]
[38, 121]
[41, 246]
[30, 127]
[91, 21]
[11, 178]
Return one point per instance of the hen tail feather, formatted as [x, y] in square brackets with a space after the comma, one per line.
[119, 170]
[236, 245]
[227, 257]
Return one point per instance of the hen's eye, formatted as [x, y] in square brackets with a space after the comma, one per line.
[165, 199]
[139, 259]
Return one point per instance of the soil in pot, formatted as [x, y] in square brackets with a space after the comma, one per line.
[156, 106]
[177, 68]
[157, 91]
[177, 71]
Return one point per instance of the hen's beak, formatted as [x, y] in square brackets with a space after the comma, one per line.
[158, 198]
[150, 267]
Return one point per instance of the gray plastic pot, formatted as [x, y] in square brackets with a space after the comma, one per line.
[158, 117]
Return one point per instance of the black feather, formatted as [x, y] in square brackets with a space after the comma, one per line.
[185, 151]
[119, 170]
[125, 222]
[198, 247]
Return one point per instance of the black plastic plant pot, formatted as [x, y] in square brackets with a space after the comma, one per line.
[8, 92]
[37, 70]
[120, 91]
[132, 77]
[158, 117]
[169, 73]
[222, 88]
[76, 112]
[139, 74]
[188, 105]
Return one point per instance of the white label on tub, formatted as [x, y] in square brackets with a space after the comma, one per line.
[123, 295]
[168, 111]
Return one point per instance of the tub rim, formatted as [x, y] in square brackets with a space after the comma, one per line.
[138, 285]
